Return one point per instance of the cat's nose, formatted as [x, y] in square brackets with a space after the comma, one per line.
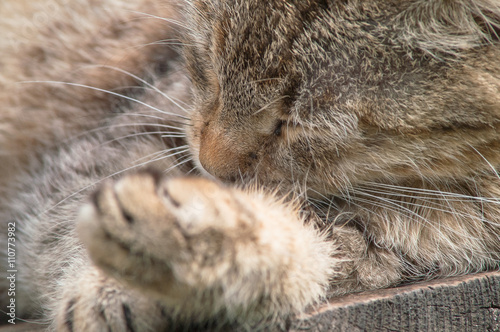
[219, 165]
[218, 156]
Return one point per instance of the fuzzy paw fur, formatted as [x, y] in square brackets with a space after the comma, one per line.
[205, 249]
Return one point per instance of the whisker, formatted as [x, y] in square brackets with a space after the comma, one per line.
[390, 206]
[435, 193]
[173, 154]
[111, 126]
[110, 176]
[435, 226]
[111, 93]
[180, 163]
[384, 204]
[399, 203]
[138, 124]
[434, 199]
[168, 20]
[192, 169]
[154, 155]
[173, 136]
[486, 160]
[440, 207]
[183, 124]
[162, 133]
[202, 14]
[186, 147]
[170, 42]
[145, 83]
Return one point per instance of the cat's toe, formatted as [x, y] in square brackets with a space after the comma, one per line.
[78, 316]
[199, 204]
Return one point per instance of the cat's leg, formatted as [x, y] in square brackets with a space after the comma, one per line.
[360, 264]
[93, 301]
[206, 250]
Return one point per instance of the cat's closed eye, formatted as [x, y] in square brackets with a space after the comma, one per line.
[279, 128]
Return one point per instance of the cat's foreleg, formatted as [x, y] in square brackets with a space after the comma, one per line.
[203, 249]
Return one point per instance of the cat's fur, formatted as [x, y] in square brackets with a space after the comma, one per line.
[357, 141]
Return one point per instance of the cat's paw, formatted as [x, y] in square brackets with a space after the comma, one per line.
[169, 236]
[95, 302]
[204, 248]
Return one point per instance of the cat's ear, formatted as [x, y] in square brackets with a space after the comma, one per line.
[449, 27]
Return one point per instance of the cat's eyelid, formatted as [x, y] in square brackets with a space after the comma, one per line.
[278, 130]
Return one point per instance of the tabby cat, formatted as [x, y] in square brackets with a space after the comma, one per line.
[224, 164]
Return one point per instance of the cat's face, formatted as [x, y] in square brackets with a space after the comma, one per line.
[324, 95]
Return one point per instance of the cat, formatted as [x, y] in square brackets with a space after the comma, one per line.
[225, 164]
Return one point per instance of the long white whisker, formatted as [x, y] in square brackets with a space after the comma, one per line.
[168, 20]
[397, 205]
[173, 154]
[432, 199]
[396, 202]
[164, 152]
[155, 154]
[170, 42]
[435, 193]
[162, 133]
[109, 92]
[486, 160]
[145, 83]
[181, 162]
[109, 176]
[391, 206]
[159, 118]
[191, 170]
[111, 126]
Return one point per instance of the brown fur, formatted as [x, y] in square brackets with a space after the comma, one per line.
[31, 53]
